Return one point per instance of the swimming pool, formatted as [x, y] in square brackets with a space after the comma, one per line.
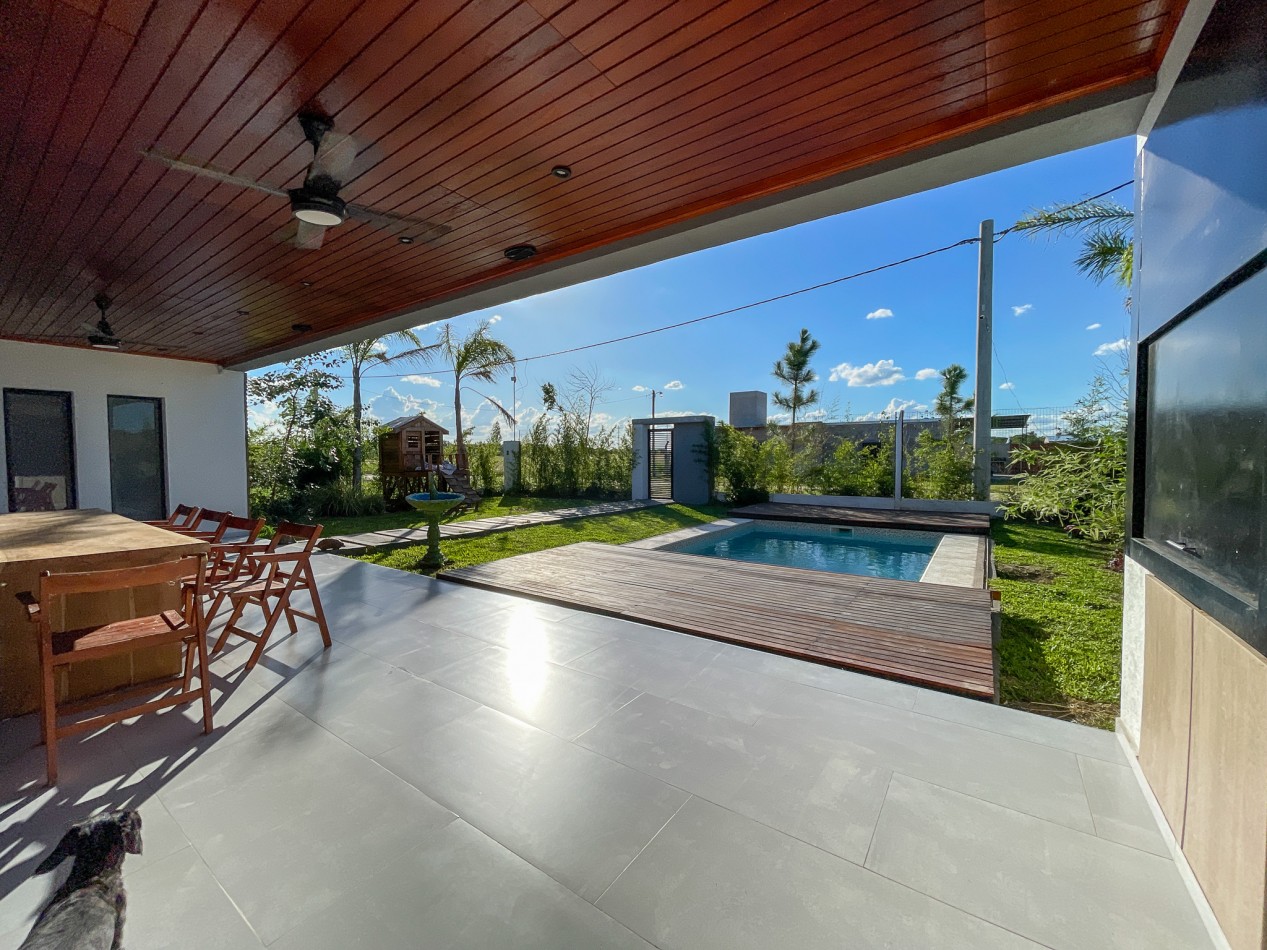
[872, 552]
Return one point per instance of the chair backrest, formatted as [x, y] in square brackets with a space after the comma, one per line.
[122, 578]
[212, 519]
[250, 527]
[185, 516]
[288, 531]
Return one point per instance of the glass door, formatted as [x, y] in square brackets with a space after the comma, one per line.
[39, 445]
[138, 458]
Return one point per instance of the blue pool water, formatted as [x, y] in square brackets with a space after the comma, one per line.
[899, 558]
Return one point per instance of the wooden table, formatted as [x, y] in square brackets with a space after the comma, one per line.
[85, 540]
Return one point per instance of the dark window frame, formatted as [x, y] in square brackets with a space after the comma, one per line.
[72, 483]
[164, 502]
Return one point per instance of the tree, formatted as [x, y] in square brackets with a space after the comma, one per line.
[1106, 229]
[474, 356]
[793, 370]
[373, 352]
[949, 405]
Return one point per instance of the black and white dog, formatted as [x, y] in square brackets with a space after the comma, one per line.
[86, 912]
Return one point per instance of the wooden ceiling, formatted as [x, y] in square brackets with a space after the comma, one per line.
[664, 110]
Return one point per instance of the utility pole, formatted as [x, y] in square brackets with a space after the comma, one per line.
[985, 347]
[654, 393]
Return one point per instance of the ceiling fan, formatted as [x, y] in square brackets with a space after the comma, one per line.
[316, 204]
[100, 335]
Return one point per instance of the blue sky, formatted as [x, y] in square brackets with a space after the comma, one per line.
[1049, 319]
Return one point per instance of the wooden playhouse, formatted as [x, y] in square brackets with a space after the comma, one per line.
[404, 454]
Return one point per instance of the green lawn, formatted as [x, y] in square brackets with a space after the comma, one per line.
[609, 529]
[1060, 650]
[491, 507]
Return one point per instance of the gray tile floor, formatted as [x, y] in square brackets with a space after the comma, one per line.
[466, 769]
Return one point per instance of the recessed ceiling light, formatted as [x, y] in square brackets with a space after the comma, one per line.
[405, 239]
[561, 171]
[301, 327]
[305, 283]
[520, 252]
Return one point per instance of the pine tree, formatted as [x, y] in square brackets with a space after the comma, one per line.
[794, 371]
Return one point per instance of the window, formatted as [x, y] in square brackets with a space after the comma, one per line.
[39, 445]
[138, 459]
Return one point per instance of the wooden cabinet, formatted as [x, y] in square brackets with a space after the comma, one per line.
[1203, 748]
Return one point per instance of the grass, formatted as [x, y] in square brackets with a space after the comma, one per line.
[1061, 643]
[609, 529]
[491, 507]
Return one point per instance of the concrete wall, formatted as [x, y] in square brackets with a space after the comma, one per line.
[748, 409]
[691, 484]
[204, 412]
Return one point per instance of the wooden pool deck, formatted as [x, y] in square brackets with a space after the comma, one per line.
[927, 634]
[946, 522]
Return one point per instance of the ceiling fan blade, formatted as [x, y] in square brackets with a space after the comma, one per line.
[417, 228]
[210, 171]
[334, 157]
[308, 236]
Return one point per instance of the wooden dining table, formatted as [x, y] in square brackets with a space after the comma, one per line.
[80, 540]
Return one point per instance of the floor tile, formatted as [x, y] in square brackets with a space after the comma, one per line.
[527, 632]
[871, 688]
[576, 815]
[1118, 806]
[714, 880]
[643, 666]
[828, 799]
[436, 648]
[523, 683]
[1032, 876]
[1070, 736]
[460, 890]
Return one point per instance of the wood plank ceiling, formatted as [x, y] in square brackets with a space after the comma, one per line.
[664, 109]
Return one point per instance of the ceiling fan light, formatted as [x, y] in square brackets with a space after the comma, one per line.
[520, 252]
[104, 342]
[324, 210]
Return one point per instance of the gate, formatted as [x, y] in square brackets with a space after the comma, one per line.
[660, 459]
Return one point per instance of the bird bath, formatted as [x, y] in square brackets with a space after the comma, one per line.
[433, 504]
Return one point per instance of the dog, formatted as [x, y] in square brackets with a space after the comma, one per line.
[87, 911]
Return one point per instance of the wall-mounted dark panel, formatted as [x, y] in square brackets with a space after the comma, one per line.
[1203, 192]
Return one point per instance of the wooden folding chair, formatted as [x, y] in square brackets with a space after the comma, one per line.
[210, 526]
[64, 649]
[184, 516]
[223, 556]
[267, 578]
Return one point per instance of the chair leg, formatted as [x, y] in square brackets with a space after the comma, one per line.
[238, 606]
[189, 667]
[290, 621]
[48, 724]
[204, 677]
[317, 611]
[271, 619]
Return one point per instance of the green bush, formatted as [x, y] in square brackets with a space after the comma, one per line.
[340, 500]
[942, 467]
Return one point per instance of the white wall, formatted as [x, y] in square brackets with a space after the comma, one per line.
[1132, 650]
[204, 411]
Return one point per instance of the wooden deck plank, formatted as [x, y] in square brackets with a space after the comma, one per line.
[944, 521]
[927, 634]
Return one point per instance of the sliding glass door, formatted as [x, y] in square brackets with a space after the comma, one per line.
[39, 446]
[138, 458]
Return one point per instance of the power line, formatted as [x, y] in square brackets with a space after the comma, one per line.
[758, 303]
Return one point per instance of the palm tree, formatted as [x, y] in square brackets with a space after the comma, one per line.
[474, 356]
[373, 352]
[1106, 229]
[793, 370]
[949, 404]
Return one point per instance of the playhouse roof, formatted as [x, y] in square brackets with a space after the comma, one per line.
[418, 421]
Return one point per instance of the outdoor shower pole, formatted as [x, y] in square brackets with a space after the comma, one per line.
[985, 347]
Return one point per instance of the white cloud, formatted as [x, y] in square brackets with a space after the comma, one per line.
[392, 404]
[929, 373]
[1023, 308]
[674, 384]
[421, 380]
[882, 314]
[893, 408]
[1093, 326]
[495, 318]
[262, 413]
[640, 389]
[1007, 385]
[879, 373]
[1104, 349]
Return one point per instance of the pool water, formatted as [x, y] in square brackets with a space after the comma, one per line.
[896, 555]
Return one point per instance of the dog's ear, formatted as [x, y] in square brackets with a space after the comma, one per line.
[66, 848]
[130, 825]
